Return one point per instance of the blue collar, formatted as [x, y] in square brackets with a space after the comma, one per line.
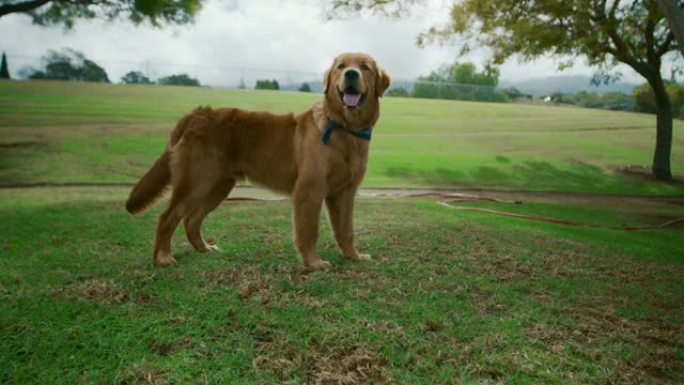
[364, 134]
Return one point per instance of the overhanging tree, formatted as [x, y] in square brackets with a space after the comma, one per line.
[66, 12]
[605, 32]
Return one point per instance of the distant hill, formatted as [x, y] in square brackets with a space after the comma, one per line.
[315, 85]
[570, 84]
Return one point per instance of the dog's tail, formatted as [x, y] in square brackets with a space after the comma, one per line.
[158, 178]
[151, 186]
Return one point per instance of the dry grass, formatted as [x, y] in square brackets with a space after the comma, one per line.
[103, 291]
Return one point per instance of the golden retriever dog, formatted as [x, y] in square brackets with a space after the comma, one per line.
[317, 156]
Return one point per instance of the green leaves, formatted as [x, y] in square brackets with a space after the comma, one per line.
[389, 8]
[66, 12]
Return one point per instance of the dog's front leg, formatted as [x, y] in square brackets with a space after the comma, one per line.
[341, 213]
[307, 202]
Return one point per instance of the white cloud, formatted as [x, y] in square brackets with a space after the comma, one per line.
[232, 35]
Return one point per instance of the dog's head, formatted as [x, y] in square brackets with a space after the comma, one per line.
[355, 81]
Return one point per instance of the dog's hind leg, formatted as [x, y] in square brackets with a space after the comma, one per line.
[188, 194]
[193, 221]
[168, 222]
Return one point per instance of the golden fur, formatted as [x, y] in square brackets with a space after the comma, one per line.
[211, 149]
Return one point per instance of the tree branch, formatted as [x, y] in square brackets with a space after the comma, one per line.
[648, 34]
[675, 16]
[666, 46]
[21, 7]
[614, 8]
[622, 53]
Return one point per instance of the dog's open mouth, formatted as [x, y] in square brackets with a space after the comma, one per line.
[352, 98]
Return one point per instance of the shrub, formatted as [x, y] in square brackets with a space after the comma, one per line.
[305, 87]
[135, 77]
[179, 80]
[398, 92]
[267, 85]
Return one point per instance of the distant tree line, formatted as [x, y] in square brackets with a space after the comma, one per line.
[179, 80]
[616, 101]
[460, 81]
[69, 64]
[645, 99]
[135, 77]
[267, 85]
[642, 99]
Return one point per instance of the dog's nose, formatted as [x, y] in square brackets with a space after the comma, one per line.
[351, 75]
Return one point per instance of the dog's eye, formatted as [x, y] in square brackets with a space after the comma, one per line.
[340, 66]
[365, 67]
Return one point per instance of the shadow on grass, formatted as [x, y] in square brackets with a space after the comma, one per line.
[536, 175]
[17, 160]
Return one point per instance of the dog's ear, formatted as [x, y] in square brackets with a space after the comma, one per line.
[382, 81]
[326, 77]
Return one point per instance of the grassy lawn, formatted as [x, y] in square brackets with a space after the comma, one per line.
[451, 296]
[76, 132]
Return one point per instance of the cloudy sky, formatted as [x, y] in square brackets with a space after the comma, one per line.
[231, 37]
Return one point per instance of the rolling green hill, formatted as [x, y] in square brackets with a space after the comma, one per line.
[57, 132]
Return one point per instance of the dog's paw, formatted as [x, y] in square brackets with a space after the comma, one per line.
[164, 260]
[361, 257]
[211, 248]
[318, 265]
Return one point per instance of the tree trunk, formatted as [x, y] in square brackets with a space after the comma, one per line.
[661, 157]
[675, 16]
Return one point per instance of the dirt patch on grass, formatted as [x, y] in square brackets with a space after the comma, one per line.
[167, 348]
[347, 365]
[601, 327]
[643, 173]
[249, 282]
[101, 290]
[323, 362]
[333, 358]
[282, 284]
[507, 268]
[662, 218]
[658, 343]
[617, 319]
[654, 344]
[21, 144]
[139, 374]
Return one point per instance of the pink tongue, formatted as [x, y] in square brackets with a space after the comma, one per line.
[352, 100]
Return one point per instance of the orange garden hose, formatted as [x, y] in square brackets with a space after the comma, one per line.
[447, 200]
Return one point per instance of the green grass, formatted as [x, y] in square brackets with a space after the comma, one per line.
[451, 297]
[59, 132]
